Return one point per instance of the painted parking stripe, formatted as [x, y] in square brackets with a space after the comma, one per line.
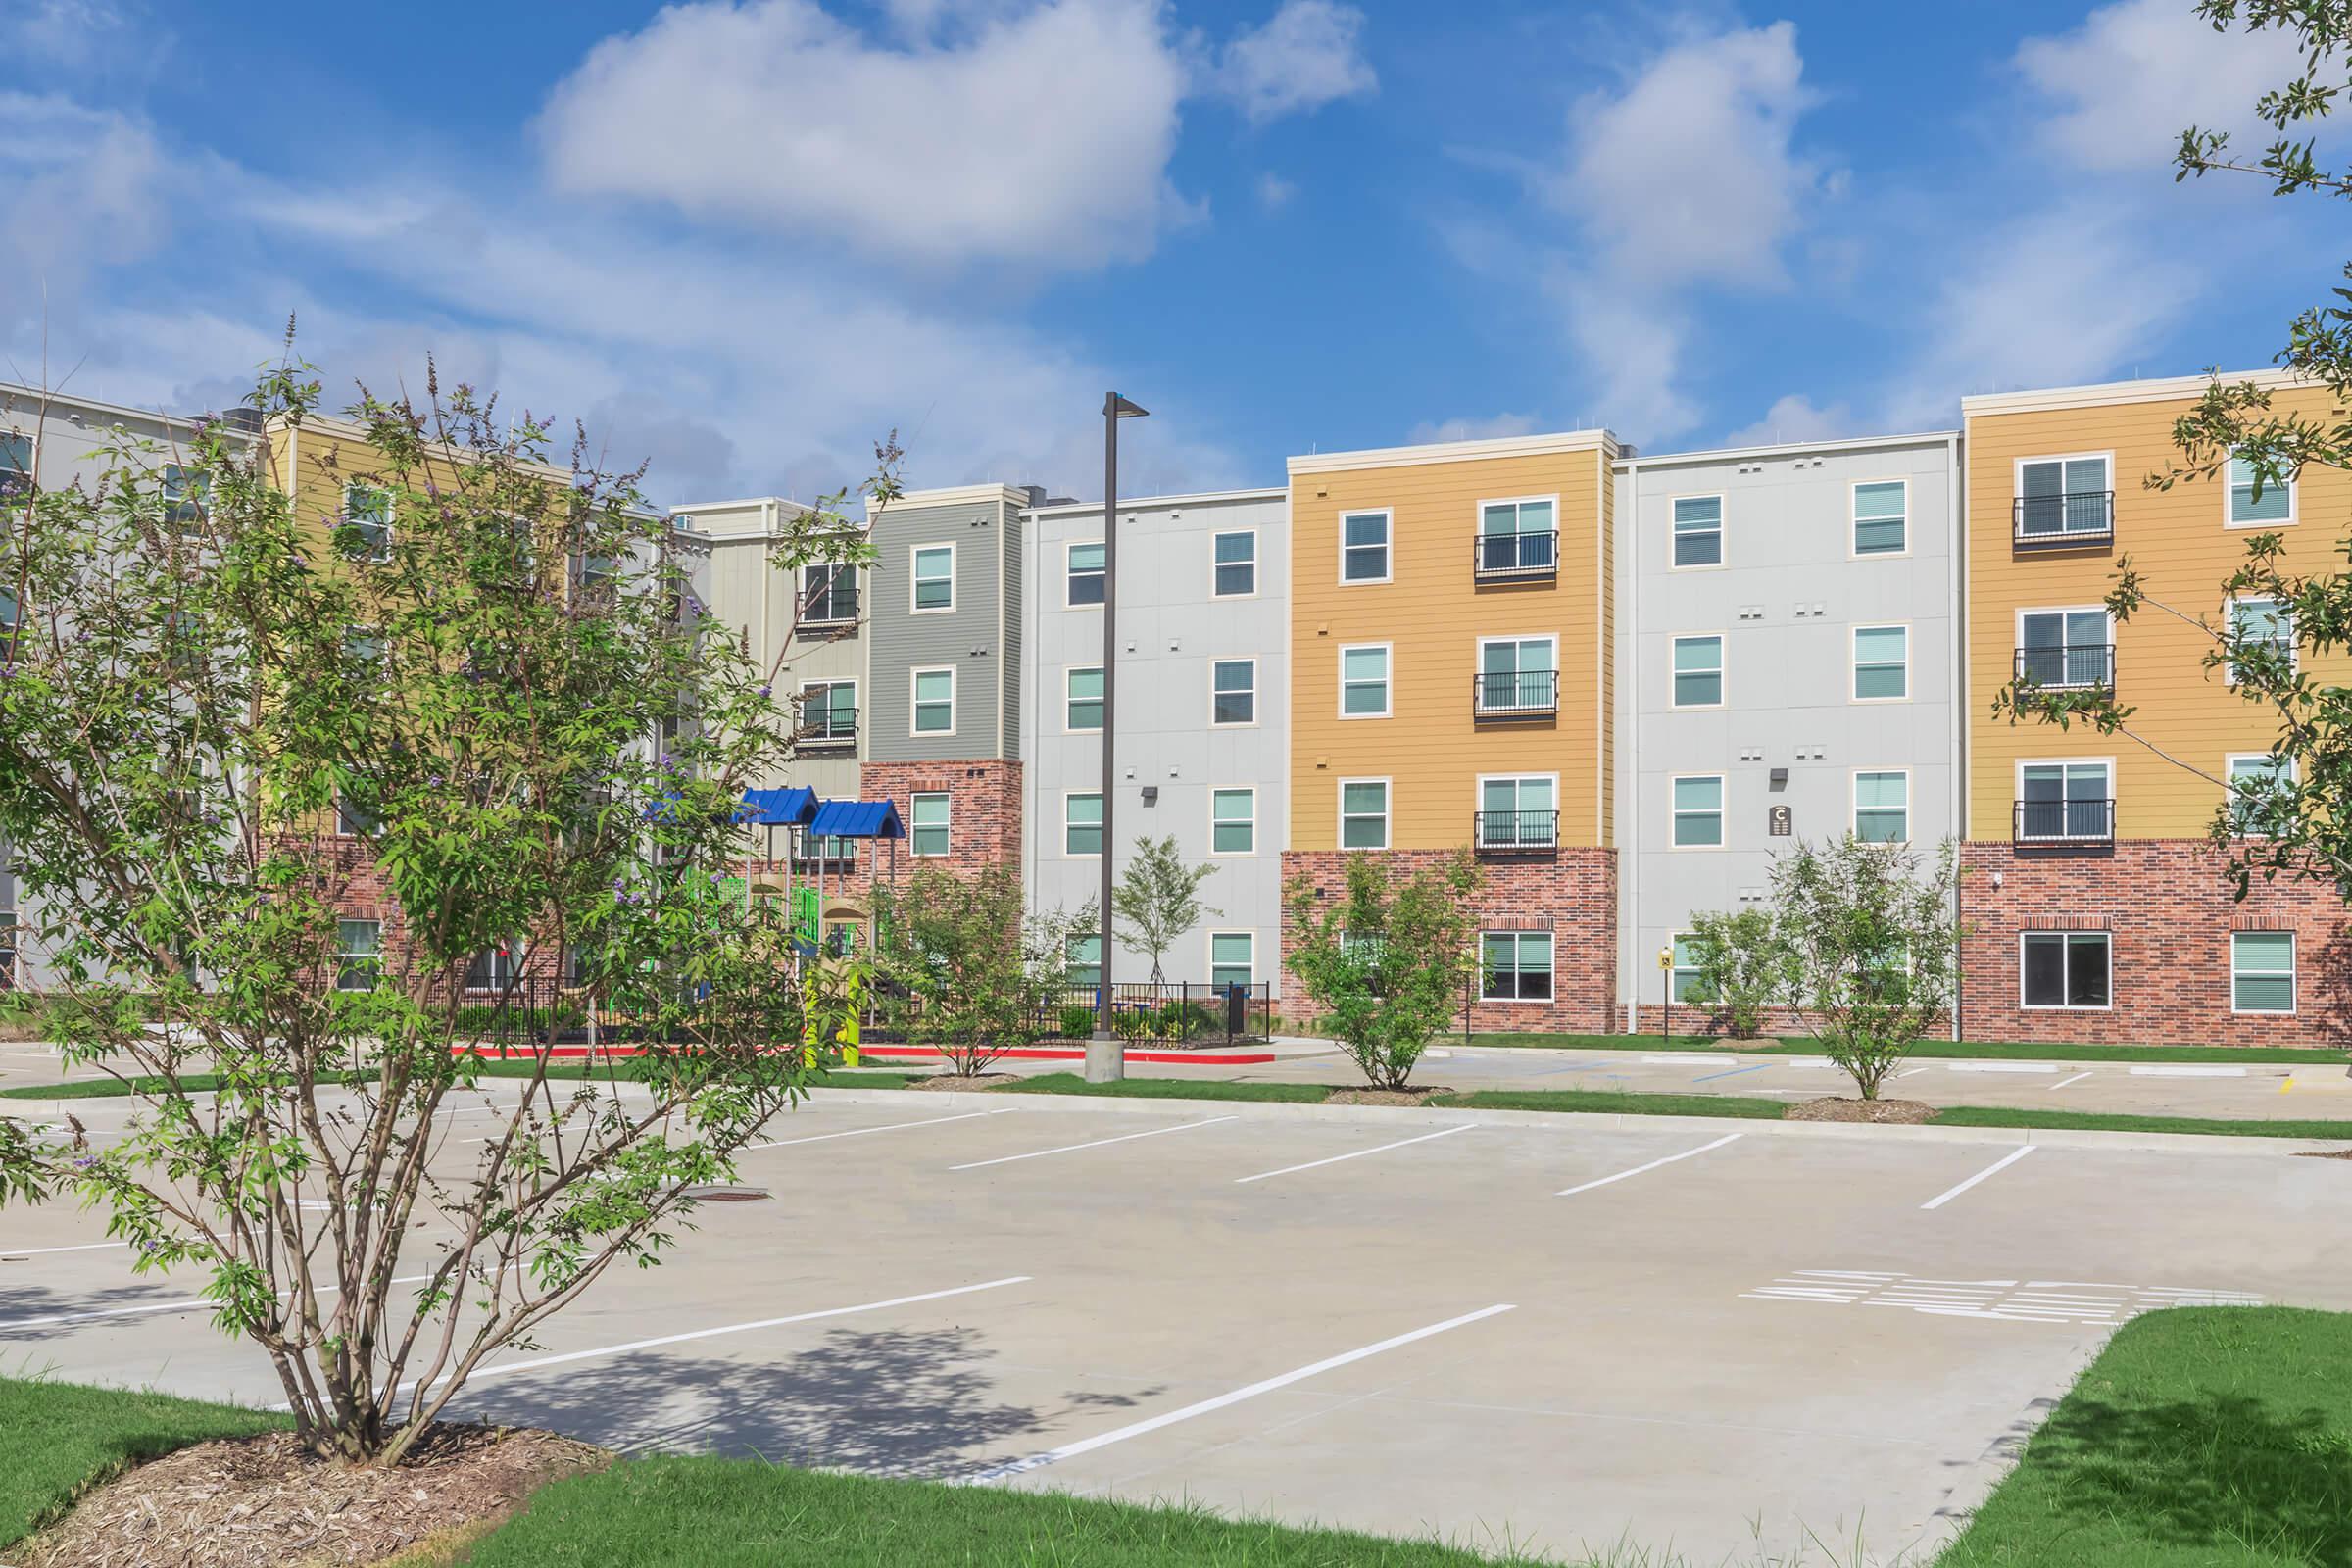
[1382, 1149]
[1993, 1169]
[2063, 1082]
[11, 1325]
[1733, 1072]
[2188, 1072]
[1067, 1149]
[14, 1253]
[896, 1126]
[1693, 1059]
[2002, 1066]
[1571, 1192]
[1070, 1450]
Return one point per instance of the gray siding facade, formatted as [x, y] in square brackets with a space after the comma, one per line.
[978, 635]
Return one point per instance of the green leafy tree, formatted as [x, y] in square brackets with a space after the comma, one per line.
[1387, 960]
[517, 715]
[1742, 968]
[965, 969]
[1872, 939]
[1158, 899]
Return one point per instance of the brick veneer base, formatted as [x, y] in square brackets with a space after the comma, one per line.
[1573, 897]
[984, 812]
[2169, 915]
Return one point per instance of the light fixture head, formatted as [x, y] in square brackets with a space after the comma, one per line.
[1120, 408]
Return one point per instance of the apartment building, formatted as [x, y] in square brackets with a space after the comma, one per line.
[1788, 666]
[1202, 708]
[2094, 894]
[1452, 668]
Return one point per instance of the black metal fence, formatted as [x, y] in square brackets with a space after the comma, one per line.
[1174, 1013]
[2067, 666]
[1523, 694]
[1506, 556]
[2079, 822]
[2078, 518]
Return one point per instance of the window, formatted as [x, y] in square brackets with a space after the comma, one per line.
[186, 495]
[1698, 671]
[599, 571]
[2065, 648]
[493, 968]
[1234, 697]
[1698, 531]
[1232, 959]
[1363, 814]
[1879, 526]
[1682, 977]
[7, 622]
[366, 529]
[15, 468]
[1082, 957]
[2263, 627]
[1518, 814]
[828, 849]
[1082, 824]
[929, 829]
[1516, 964]
[829, 711]
[2262, 971]
[1083, 710]
[359, 954]
[1364, 681]
[934, 579]
[2064, 969]
[1882, 663]
[1699, 812]
[1237, 564]
[353, 819]
[1883, 807]
[2061, 496]
[2259, 787]
[828, 594]
[1518, 535]
[1517, 675]
[1364, 547]
[2256, 499]
[935, 702]
[1089, 573]
[2066, 801]
[1233, 822]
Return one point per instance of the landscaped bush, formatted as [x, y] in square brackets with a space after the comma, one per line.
[1077, 1023]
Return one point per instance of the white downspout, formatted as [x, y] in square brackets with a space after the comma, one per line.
[1629, 851]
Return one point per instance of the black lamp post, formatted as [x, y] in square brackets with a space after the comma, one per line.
[1106, 1059]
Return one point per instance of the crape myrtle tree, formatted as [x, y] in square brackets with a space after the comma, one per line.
[488, 679]
[1870, 937]
[1157, 897]
[2286, 821]
[1389, 960]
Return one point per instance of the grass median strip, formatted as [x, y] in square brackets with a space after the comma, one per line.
[58, 1440]
[1925, 1049]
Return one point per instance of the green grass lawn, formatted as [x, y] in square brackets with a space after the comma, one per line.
[1070, 1083]
[57, 1440]
[2201, 1437]
[1933, 1050]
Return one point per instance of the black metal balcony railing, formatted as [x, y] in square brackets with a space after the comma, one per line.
[831, 606]
[2071, 823]
[2079, 518]
[831, 729]
[1515, 832]
[1509, 557]
[1525, 694]
[2069, 666]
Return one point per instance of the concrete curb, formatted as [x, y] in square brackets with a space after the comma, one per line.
[1597, 1121]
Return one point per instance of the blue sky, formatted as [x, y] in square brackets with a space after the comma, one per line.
[744, 239]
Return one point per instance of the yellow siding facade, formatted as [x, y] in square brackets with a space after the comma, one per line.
[1431, 612]
[2184, 547]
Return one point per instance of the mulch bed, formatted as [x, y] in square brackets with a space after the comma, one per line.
[261, 1503]
[949, 1080]
[2334, 1154]
[1385, 1097]
[1832, 1107]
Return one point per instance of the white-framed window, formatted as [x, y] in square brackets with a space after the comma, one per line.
[1882, 663]
[2274, 507]
[1232, 959]
[825, 849]
[1698, 671]
[2263, 624]
[1082, 957]
[1698, 811]
[359, 954]
[2258, 781]
[1518, 676]
[1883, 806]
[1519, 534]
[934, 579]
[368, 521]
[828, 594]
[929, 833]
[2067, 648]
[353, 819]
[2262, 971]
[2059, 496]
[1515, 965]
[829, 712]
[1232, 692]
[1083, 703]
[186, 495]
[1881, 517]
[1697, 531]
[16, 463]
[1234, 558]
[934, 700]
[1082, 824]
[1363, 814]
[495, 969]
[1364, 545]
[2072, 970]
[1364, 681]
[1088, 576]
[1232, 821]
[2066, 801]
[1520, 811]
[1682, 971]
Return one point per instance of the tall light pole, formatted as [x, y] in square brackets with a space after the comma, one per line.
[1106, 1060]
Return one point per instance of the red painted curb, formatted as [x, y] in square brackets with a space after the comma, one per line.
[1208, 1058]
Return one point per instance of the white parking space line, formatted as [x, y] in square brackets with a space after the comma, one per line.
[1066, 1149]
[1993, 1169]
[11, 1254]
[1383, 1149]
[2002, 1066]
[1070, 1450]
[1571, 1192]
[2188, 1072]
[1691, 1060]
[11, 1325]
[2063, 1082]
[896, 1126]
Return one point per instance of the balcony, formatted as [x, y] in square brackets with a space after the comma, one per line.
[1496, 833]
[2067, 666]
[833, 607]
[832, 730]
[1516, 558]
[2079, 520]
[2084, 825]
[1527, 694]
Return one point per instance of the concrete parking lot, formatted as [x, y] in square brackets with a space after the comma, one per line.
[1563, 1331]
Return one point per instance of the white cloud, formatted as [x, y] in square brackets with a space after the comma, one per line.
[1274, 192]
[1631, 347]
[1459, 429]
[1306, 55]
[1040, 135]
[1796, 417]
[69, 33]
[84, 191]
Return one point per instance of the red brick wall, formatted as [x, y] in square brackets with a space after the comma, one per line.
[1573, 897]
[984, 812]
[2169, 915]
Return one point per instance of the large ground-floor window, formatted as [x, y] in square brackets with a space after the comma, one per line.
[2065, 969]
[1517, 965]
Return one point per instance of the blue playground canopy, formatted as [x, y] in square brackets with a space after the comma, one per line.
[793, 808]
[858, 820]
